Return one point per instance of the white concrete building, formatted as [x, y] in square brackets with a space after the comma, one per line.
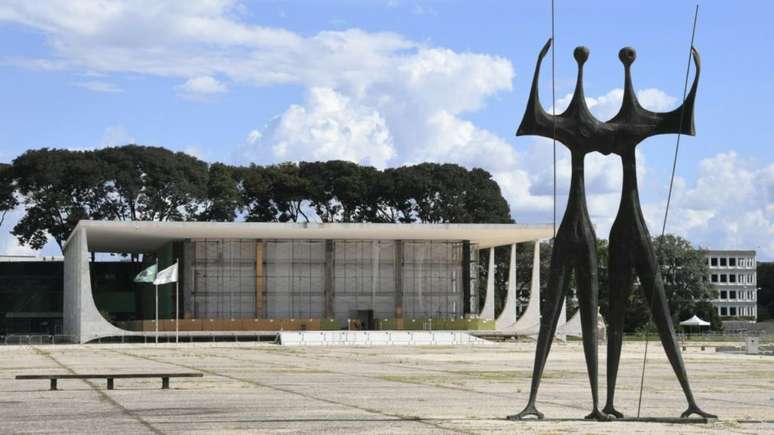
[239, 276]
[732, 274]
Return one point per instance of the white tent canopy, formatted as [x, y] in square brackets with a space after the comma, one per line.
[694, 321]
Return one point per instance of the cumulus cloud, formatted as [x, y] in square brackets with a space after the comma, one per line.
[606, 106]
[328, 126]
[730, 205]
[381, 99]
[201, 87]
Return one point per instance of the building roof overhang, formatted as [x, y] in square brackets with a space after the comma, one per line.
[144, 236]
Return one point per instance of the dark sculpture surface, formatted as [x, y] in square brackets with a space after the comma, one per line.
[631, 248]
[575, 241]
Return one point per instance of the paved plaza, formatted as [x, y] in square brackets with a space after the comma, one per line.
[258, 388]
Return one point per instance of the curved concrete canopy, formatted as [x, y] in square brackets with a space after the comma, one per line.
[143, 236]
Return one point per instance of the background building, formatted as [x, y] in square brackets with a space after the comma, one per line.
[732, 274]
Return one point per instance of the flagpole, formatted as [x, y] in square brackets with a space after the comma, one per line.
[177, 303]
[157, 303]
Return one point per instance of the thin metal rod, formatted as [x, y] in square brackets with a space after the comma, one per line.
[669, 195]
[553, 102]
[177, 302]
[157, 301]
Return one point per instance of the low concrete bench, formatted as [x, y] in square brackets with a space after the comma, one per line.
[110, 377]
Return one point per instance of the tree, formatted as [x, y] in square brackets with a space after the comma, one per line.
[153, 183]
[257, 194]
[7, 199]
[223, 198]
[684, 273]
[58, 188]
[290, 192]
[140, 183]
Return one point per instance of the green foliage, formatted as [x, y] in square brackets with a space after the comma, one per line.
[153, 183]
[58, 188]
[223, 198]
[7, 188]
[683, 271]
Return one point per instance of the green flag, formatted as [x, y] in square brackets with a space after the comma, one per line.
[147, 275]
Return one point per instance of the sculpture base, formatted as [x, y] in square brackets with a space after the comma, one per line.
[670, 420]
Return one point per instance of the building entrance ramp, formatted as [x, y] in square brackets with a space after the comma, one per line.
[378, 338]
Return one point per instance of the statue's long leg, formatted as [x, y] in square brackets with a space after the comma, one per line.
[620, 279]
[650, 277]
[558, 285]
[588, 301]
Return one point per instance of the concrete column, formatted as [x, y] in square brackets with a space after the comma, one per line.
[188, 261]
[260, 281]
[466, 277]
[488, 311]
[329, 291]
[507, 318]
[398, 279]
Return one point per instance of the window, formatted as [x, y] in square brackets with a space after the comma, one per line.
[732, 278]
[732, 311]
[723, 261]
[723, 277]
[732, 294]
[742, 262]
[723, 311]
[749, 278]
[714, 277]
[732, 262]
[723, 294]
[714, 261]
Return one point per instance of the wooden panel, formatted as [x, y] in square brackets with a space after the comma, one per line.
[260, 280]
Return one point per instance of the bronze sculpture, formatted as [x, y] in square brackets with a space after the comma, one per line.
[575, 241]
[631, 248]
[630, 244]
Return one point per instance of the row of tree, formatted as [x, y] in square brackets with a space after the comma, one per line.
[57, 188]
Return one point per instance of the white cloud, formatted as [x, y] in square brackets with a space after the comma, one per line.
[200, 87]
[253, 137]
[116, 135]
[379, 99]
[9, 245]
[99, 86]
[606, 106]
[729, 206]
[328, 126]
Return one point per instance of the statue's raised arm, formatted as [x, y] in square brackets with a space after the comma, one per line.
[536, 120]
[638, 123]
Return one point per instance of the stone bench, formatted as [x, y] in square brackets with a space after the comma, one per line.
[111, 377]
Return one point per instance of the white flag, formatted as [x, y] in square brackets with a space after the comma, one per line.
[167, 275]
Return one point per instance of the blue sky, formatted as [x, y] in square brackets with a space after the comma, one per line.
[394, 82]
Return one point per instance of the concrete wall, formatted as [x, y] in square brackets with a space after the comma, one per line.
[81, 319]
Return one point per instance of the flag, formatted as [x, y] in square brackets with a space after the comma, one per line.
[167, 275]
[147, 275]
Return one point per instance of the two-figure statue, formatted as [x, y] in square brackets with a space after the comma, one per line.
[631, 249]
